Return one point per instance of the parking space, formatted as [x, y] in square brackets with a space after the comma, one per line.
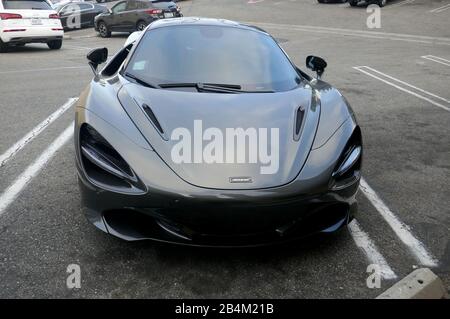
[396, 79]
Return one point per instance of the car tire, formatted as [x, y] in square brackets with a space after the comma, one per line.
[103, 30]
[141, 25]
[353, 3]
[3, 46]
[55, 44]
[382, 3]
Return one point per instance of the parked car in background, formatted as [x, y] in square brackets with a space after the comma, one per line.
[134, 15]
[57, 3]
[381, 3]
[29, 21]
[76, 15]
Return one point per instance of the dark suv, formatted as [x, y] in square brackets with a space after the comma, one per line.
[134, 15]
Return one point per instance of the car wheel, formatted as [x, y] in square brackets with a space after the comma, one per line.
[103, 30]
[353, 3]
[55, 44]
[141, 25]
[382, 3]
[3, 46]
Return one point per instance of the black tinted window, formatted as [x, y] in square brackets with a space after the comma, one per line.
[26, 4]
[85, 6]
[213, 54]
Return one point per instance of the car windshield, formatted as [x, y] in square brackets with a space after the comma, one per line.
[26, 4]
[213, 54]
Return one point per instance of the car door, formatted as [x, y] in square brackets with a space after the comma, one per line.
[70, 15]
[131, 14]
[86, 14]
[117, 18]
[63, 13]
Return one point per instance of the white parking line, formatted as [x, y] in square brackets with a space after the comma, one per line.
[366, 69]
[402, 230]
[363, 241]
[436, 59]
[441, 9]
[76, 47]
[22, 181]
[5, 157]
[401, 3]
[45, 69]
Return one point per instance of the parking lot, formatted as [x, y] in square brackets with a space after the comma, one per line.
[397, 79]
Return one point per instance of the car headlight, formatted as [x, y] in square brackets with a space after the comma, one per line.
[348, 168]
[104, 165]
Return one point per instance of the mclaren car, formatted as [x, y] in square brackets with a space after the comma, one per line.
[204, 132]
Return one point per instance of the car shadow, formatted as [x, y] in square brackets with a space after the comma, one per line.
[28, 48]
[316, 244]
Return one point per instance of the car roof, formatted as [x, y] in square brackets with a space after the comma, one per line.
[202, 21]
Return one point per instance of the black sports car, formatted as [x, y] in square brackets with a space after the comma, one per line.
[214, 138]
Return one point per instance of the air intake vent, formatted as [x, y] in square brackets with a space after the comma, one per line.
[299, 122]
[152, 118]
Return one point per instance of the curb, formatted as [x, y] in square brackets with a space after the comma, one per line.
[420, 284]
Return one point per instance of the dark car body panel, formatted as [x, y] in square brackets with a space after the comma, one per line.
[178, 206]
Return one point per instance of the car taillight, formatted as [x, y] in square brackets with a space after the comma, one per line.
[53, 16]
[154, 11]
[9, 16]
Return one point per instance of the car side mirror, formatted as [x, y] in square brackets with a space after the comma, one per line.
[96, 57]
[316, 64]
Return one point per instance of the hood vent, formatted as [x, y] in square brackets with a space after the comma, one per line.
[299, 122]
[152, 117]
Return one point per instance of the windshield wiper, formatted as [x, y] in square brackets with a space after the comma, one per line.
[211, 87]
[205, 87]
[142, 82]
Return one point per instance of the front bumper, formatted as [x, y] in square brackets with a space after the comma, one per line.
[216, 221]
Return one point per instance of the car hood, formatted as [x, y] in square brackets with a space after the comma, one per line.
[176, 114]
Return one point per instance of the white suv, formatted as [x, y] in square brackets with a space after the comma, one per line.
[29, 21]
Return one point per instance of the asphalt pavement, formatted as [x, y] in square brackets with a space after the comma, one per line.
[396, 78]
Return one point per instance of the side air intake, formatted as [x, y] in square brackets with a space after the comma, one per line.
[153, 118]
[299, 118]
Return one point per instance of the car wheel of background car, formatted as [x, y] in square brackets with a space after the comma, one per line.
[382, 3]
[353, 3]
[3, 46]
[103, 30]
[141, 25]
[55, 44]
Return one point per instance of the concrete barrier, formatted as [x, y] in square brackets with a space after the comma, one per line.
[420, 284]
